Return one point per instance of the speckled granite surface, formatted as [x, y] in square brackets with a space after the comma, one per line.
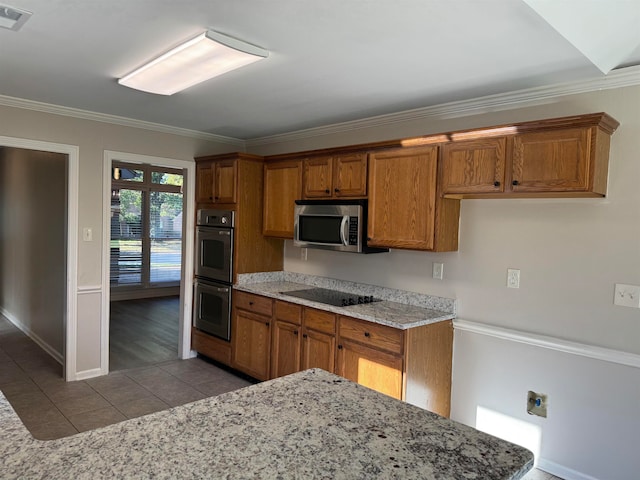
[399, 309]
[307, 425]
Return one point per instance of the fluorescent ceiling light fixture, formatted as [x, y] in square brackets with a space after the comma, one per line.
[13, 18]
[206, 56]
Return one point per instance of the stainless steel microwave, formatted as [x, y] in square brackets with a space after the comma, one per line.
[332, 225]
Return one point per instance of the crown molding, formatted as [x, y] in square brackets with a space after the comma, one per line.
[624, 77]
[116, 120]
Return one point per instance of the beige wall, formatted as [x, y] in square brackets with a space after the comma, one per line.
[33, 243]
[93, 138]
[570, 252]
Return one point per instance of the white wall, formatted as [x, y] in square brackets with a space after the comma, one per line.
[33, 244]
[93, 138]
[571, 252]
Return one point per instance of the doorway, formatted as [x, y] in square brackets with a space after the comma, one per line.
[145, 265]
[148, 250]
[38, 246]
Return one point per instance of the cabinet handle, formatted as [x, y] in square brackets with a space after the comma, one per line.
[295, 332]
[496, 184]
[304, 335]
[217, 198]
[250, 303]
[515, 182]
[367, 334]
[210, 198]
[266, 323]
[337, 190]
[339, 347]
[369, 238]
[327, 191]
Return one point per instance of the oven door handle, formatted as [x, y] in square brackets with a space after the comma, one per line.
[224, 232]
[344, 228]
[225, 290]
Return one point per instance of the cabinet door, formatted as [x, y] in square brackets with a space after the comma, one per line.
[285, 351]
[350, 175]
[224, 190]
[318, 350]
[204, 178]
[317, 178]
[282, 187]
[473, 166]
[556, 161]
[370, 367]
[402, 198]
[251, 337]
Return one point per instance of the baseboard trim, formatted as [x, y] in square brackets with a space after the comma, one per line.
[562, 472]
[86, 374]
[552, 343]
[57, 356]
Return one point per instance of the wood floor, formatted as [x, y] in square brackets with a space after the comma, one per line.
[143, 332]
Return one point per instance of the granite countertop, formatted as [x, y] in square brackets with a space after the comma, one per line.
[399, 309]
[311, 424]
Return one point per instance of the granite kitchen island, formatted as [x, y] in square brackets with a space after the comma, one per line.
[307, 425]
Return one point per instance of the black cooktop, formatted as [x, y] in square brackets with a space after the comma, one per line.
[332, 297]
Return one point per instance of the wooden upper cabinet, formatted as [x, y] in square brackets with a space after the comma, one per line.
[562, 157]
[473, 166]
[555, 161]
[216, 181]
[318, 177]
[282, 187]
[204, 180]
[224, 186]
[402, 198]
[337, 176]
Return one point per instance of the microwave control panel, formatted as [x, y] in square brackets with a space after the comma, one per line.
[353, 230]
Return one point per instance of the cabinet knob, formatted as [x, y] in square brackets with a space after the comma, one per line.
[367, 334]
[295, 332]
[210, 198]
[250, 303]
[496, 184]
[339, 347]
[515, 182]
[267, 323]
[327, 191]
[369, 238]
[304, 335]
[337, 190]
[217, 198]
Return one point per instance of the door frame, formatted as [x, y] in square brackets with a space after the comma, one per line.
[71, 319]
[186, 284]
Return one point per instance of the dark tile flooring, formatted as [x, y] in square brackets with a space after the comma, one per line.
[52, 408]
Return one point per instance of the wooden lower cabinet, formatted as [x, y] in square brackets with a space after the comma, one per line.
[251, 343]
[285, 351]
[371, 367]
[318, 350]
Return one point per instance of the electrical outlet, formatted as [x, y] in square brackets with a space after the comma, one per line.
[437, 270]
[537, 404]
[513, 278]
[627, 295]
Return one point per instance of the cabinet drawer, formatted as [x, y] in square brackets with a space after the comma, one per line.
[320, 320]
[289, 312]
[372, 334]
[253, 303]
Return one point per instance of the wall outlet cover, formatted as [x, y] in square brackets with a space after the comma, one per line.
[438, 270]
[537, 404]
[513, 278]
[627, 295]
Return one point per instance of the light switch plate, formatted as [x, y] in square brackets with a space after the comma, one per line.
[438, 270]
[87, 234]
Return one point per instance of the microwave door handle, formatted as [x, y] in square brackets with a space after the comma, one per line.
[344, 228]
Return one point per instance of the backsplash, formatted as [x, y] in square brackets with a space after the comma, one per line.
[390, 294]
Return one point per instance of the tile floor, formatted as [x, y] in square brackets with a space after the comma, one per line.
[52, 408]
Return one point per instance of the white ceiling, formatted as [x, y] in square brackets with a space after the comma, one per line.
[331, 60]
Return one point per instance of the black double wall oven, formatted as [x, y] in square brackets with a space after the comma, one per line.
[214, 272]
